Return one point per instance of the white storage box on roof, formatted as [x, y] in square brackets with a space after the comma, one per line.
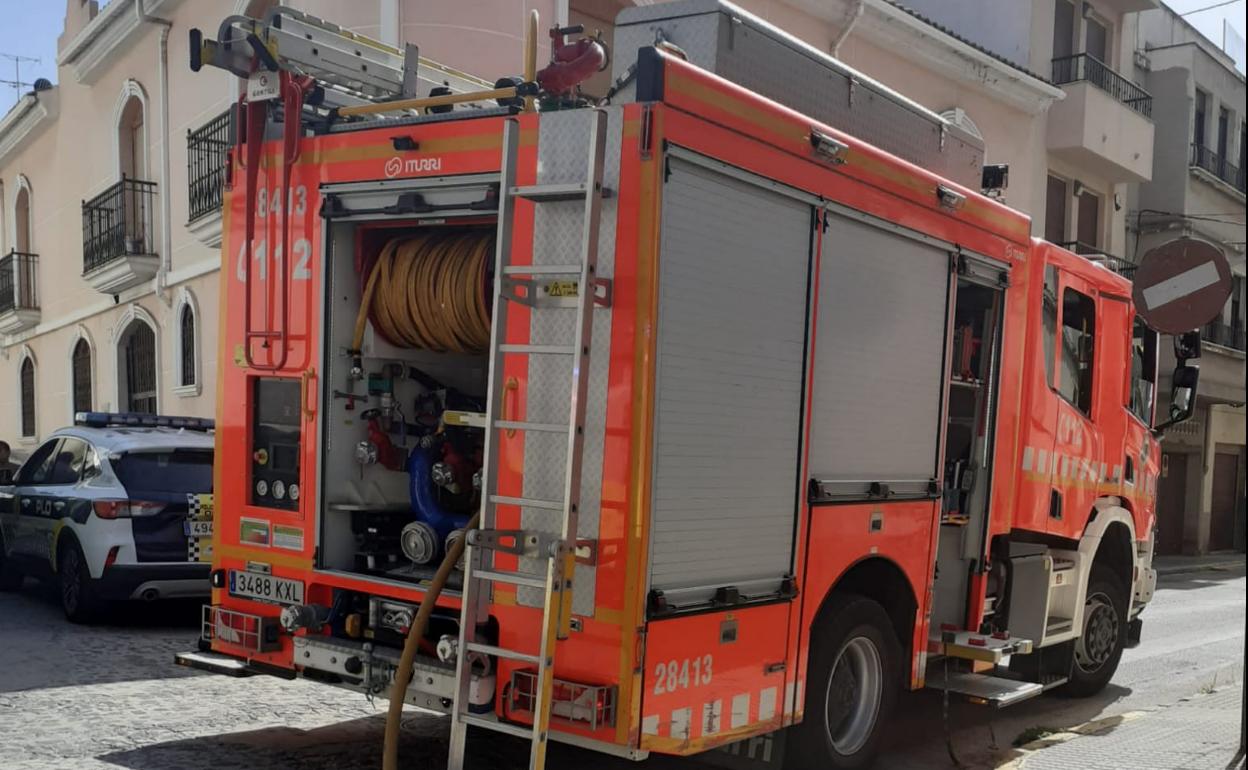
[736, 45]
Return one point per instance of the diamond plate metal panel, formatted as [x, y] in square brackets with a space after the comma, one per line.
[563, 150]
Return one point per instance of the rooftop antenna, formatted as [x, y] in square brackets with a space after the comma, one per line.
[17, 83]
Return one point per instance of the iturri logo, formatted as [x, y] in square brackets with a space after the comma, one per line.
[397, 165]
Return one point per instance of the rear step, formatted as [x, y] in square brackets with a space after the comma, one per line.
[213, 662]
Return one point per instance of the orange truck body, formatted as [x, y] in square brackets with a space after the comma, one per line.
[684, 682]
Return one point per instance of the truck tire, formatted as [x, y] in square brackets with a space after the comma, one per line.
[10, 576]
[74, 584]
[1099, 647]
[853, 680]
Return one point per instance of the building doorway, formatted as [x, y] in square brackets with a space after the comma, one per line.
[1171, 503]
[1224, 502]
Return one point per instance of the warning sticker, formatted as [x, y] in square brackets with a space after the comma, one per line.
[253, 532]
[288, 537]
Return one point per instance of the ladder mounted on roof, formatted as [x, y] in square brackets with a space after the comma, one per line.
[348, 69]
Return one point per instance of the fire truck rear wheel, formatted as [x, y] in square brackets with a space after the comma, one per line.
[1099, 648]
[852, 686]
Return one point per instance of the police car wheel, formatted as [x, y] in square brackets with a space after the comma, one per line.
[74, 581]
[852, 687]
[10, 576]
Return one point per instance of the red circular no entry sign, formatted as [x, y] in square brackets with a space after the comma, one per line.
[1181, 285]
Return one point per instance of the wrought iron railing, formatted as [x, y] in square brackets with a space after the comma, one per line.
[1096, 254]
[1207, 159]
[1085, 67]
[1227, 335]
[206, 149]
[118, 223]
[18, 287]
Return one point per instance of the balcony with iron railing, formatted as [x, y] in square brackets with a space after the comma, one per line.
[1104, 124]
[207, 150]
[19, 294]
[1210, 162]
[118, 236]
[1096, 254]
[1086, 67]
[1224, 334]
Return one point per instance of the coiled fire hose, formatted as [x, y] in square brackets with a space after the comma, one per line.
[429, 291]
[403, 676]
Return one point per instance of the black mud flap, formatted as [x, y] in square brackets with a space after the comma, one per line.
[763, 752]
[1135, 630]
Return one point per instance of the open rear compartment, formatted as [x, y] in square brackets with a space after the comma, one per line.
[400, 474]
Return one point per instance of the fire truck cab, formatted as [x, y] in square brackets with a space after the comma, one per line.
[762, 419]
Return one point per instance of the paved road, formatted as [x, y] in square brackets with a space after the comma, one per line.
[107, 697]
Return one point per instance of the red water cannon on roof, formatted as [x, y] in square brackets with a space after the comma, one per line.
[572, 63]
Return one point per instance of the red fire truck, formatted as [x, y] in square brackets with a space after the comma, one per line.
[762, 420]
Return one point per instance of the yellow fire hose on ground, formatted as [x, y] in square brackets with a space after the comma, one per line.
[390, 756]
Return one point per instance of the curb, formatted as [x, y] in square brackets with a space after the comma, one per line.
[1213, 566]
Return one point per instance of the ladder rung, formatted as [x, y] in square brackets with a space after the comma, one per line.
[515, 578]
[552, 350]
[502, 652]
[551, 192]
[532, 427]
[493, 724]
[542, 270]
[527, 502]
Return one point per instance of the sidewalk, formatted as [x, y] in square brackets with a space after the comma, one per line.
[1197, 733]
[1177, 565]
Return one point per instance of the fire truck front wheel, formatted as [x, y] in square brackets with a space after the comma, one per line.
[852, 687]
[1099, 648]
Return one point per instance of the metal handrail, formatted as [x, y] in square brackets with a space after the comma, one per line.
[118, 223]
[18, 281]
[1086, 67]
[1098, 255]
[206, 153]
[1208, 160]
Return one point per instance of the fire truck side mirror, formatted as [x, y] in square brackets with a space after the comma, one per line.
[1184, 380]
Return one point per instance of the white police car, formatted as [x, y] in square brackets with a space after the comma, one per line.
[107, 509]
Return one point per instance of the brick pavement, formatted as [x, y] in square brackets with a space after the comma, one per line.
[1197, 733]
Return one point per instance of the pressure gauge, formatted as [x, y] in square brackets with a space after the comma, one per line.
[262, 488]
[293, 492]
[279, 489]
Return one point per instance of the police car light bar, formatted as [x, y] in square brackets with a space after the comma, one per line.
[139, 420]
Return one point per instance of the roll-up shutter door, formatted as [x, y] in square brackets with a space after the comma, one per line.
[734, 267]
[879, 358]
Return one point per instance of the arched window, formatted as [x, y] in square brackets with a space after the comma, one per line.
[132, 150]
[28, 397]
[82, 376]
[186, 328]
[21, 216]
[137, 367]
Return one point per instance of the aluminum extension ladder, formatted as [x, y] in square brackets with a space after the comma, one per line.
[519, 283]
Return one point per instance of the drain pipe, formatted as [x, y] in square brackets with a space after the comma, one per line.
[166, 209]
[851, 19]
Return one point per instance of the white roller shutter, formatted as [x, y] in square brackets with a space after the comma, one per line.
[734, 265]
[879, 357]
